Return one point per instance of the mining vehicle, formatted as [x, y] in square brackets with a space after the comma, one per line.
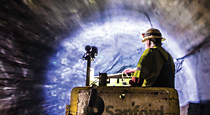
[112, 95]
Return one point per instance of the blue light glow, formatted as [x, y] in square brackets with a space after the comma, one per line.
[119, 47]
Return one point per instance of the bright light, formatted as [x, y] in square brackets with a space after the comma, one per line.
[119, 47]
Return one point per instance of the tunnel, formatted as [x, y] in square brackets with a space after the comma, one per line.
[42, 43]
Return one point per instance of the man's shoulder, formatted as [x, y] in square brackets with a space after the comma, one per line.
[148, 51]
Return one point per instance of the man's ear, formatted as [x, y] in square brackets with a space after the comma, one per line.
[149, 42]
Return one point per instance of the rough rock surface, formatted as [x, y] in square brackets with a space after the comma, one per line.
[42, 44]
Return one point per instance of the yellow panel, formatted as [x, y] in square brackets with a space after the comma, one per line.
[131, 100]
[74, 99]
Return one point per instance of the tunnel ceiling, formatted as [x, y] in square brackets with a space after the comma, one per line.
[31, 30]
[58, 19]
[185, 17]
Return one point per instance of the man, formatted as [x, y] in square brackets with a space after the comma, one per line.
[155, 67]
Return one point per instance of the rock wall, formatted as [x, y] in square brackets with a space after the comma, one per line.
[41, 43]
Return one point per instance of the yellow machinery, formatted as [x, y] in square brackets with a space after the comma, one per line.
[116, 97]
[123, 100]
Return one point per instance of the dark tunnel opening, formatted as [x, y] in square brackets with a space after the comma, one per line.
[42, 43]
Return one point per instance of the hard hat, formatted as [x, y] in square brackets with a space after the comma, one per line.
[152, 33]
